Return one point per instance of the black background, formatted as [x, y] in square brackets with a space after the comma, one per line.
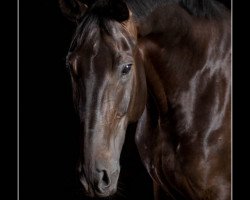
[48, 142]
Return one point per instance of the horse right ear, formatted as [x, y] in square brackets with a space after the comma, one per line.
[73, 9]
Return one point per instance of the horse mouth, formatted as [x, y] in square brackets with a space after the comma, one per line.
[94, 191]
[99, 194]
[104, 194]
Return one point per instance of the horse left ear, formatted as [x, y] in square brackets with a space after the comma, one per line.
[73, 9]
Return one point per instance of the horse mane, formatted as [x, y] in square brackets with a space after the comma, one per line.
[82, 30]
[198, 8]
[99, 13]
[203, 8]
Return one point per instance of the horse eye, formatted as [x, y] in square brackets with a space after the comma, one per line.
[126, 69]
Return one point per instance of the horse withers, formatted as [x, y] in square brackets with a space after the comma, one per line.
[166, 65]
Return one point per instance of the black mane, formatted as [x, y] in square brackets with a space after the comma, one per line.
[98, 13]
[198, 8]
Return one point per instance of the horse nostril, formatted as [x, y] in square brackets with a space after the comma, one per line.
[105, 180]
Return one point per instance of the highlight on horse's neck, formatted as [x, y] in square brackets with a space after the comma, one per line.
[182, 35]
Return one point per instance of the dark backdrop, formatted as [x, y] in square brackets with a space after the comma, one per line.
[48, 124]
[48, 131]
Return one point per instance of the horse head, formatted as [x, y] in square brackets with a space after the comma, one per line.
[109, 87]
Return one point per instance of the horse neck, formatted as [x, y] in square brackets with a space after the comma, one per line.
[176, 46]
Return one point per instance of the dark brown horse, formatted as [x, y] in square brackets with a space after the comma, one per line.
[165, 64]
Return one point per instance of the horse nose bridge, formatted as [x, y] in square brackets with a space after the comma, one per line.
[99, 115]
[106, 163]
[105, 159]
[97, 149]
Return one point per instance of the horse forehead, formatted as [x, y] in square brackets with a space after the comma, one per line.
[112, 49]
[112, 36]
[107, 45]
[102, 48]
[118, 37]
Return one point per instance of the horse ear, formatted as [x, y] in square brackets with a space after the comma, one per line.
[73, 9]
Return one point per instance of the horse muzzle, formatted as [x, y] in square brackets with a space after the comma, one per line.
[102, 183]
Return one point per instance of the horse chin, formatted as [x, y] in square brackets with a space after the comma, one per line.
[100, 194]
[92, 190]
[105, 194]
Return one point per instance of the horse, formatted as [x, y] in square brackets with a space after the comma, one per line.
[165, 65]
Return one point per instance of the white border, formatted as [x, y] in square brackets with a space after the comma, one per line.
[17, 99]
[231, 99]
